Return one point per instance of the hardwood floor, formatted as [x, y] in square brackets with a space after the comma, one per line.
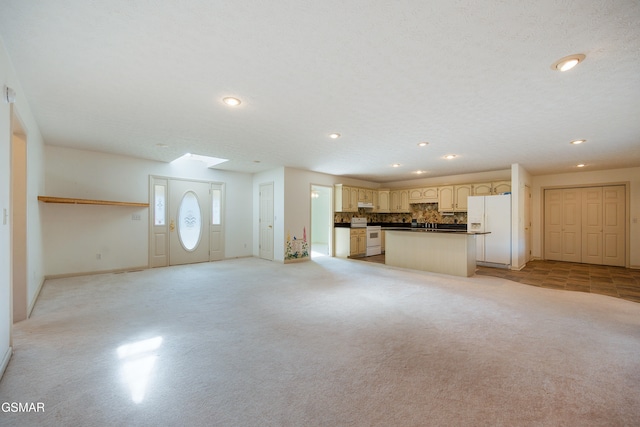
[598, 279]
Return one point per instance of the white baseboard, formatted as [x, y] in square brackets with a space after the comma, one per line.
[5, 361]
[90, 273]
[35, 298]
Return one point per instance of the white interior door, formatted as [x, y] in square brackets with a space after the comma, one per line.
[527, 223]
[266, 221]
[189, 221]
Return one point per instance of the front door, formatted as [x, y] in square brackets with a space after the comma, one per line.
[189, 221]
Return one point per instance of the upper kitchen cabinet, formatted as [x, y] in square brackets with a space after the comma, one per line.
[501, 187]
[462, 192]
[453, 198]
[383, 205]
[483, 189]
[423, 195]
[346, 198]
[399, 201]
[365, 195]
[376, 201]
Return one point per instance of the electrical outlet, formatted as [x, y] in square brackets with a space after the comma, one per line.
[135, 217]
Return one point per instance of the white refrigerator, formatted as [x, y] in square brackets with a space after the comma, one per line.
[491, 214]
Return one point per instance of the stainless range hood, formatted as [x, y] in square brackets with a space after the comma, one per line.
[365, 205]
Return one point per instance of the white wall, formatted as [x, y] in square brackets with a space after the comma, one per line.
[586, 178]
[75, 234]
[35, 184]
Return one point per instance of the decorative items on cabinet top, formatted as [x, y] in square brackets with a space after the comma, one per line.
[72, 201]
[450, 198]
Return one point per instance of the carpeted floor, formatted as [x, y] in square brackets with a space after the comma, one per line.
[332, 342]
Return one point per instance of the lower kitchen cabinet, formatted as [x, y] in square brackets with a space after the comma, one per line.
[358, 242]
[350, 242]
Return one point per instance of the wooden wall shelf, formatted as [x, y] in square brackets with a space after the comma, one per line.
[48, 199]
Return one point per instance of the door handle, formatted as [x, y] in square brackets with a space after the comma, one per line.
[270, 226]
[172, 225]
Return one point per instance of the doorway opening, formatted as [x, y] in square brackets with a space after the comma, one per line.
[321, 221]
[18, 219]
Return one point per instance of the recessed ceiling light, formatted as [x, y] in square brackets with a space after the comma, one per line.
[334, 135]
[568, 62]
[578, 141]
[581, 165]
[450, 156]
[419, 172]
[422, 144]
[233, 102]
[395, 165]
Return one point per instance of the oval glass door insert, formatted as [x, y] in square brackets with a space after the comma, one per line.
[189, 221]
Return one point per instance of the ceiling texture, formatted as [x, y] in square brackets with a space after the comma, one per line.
[472, 78]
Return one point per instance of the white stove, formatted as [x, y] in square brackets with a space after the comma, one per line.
[374, 240]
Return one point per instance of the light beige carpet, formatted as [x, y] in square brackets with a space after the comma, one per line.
[333, 342]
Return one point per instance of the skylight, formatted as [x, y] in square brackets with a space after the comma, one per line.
[209, 161]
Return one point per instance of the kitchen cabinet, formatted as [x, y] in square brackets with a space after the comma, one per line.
[346, 198]
[462, 192]
[483, 189]
[376, 204]
[453, 198]
[365, 195]
[399, 201]
[423, 195]
[383, 201]
[501, 187]
[358, 242]
[491, 188]
[445, 199]
[350, 242]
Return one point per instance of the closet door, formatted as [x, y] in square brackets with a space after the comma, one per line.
[592, 225]
[586, 225]
[563, 225]
[571, 225]
[553, 225]
[613, 230]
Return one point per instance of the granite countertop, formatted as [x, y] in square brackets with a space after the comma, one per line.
[433, 230]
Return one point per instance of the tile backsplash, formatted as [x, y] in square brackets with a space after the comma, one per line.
[422, 212]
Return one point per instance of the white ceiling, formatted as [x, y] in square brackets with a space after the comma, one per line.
[472, 78]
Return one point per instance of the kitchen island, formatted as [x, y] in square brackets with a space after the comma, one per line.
[437, 251]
